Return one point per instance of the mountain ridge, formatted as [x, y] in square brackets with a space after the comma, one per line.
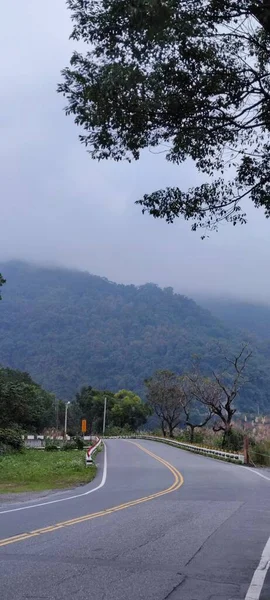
[69, 328]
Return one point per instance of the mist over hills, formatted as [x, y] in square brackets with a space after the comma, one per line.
[68, 328]
[247, 316]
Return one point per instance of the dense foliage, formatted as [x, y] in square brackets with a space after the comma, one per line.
[71, 329]
[123, 409]
[23, 403]
[10, 440]
[190, 75]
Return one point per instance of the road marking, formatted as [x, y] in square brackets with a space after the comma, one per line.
[256, 586]
[178, 482]
[256, 473]
[102, 483]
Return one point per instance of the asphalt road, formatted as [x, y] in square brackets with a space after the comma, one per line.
[193, 529]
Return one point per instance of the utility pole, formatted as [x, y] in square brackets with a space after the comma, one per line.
[57, 414]
[66, 411]
[104, 415]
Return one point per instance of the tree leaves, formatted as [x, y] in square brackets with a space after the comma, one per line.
[24, 403]
[193, 75]
[123, 409]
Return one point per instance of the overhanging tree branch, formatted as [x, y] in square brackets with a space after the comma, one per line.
[193, 74]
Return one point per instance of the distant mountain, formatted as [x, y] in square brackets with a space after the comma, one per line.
[69, 328]
[247, 316]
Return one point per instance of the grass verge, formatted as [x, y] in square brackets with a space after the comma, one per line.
[36, 470]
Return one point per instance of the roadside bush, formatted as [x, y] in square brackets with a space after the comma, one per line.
[235, 441]
[157, 432]
[11, 441]
[119, 431]
[183, 435]
[79, 442]
[69, 445]
[260, 453]
[50, 446]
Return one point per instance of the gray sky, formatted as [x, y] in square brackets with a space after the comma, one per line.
[59, 206]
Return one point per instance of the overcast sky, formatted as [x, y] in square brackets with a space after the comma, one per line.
[59, 206]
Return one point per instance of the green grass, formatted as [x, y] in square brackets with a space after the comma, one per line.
[36, 470]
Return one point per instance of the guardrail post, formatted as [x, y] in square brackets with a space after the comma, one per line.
[91, 450]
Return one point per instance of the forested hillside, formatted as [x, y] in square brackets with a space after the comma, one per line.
[247, 316]
[69, 328]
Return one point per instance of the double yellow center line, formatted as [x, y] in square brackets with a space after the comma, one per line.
[178, 481]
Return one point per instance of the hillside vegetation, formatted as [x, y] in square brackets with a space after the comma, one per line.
[69, 329]
[247, 316]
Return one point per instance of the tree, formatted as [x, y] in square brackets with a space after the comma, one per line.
[190, 76]
[2, 281]
[24, 403]
[164, 396]
[123, 409]
[129, 410]
[84, 400]
[197, 412]
[218, 393]
[91, 403]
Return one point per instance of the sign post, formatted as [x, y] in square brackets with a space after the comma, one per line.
[84, 425]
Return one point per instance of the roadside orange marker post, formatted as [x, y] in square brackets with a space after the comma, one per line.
[84, 425]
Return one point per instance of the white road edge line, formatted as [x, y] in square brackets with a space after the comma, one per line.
[256, 473]
[102, 483]
[255, 588]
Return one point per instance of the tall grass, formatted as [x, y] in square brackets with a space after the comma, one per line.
[260, 453]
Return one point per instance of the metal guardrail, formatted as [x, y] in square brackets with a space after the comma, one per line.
[91, 451]
[221, 454]
[39, 441]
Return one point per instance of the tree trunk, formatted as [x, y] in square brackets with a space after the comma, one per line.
[191, 433]
[171, 428]
[226, 435]
[163, 429]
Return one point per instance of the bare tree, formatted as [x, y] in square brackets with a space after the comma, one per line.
[197, 412]
[219, 392]
[164, 395]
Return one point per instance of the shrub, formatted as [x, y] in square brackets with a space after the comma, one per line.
[79, 442]
[119, 431]
[11, 441]
[69, 445]
[235, 441]
[260, 453]
[50, 446]
[184, 436]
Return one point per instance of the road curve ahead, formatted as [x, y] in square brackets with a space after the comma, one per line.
[162, 524]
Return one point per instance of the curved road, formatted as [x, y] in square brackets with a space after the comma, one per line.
[163, 524]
